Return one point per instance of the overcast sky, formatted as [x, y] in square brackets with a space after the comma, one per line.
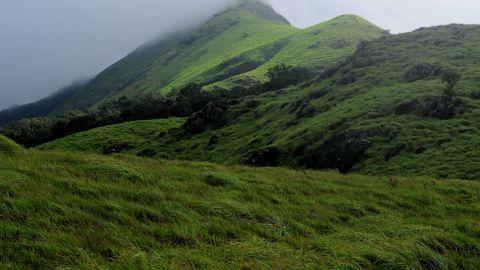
[46, 44]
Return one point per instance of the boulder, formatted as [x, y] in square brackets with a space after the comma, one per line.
[340, 152]
[115, 148]
[264, 158]
[406, 107]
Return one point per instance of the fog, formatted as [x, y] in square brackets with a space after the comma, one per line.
[395, 15]
[47, 44]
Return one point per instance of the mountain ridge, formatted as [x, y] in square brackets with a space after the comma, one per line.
[239, 37]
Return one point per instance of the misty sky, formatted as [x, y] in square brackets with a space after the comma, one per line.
[46, 44]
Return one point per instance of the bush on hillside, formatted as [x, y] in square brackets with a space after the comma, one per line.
[213, 115]
[448, 104]
[115, 148]
[340, 152]
[440, 108]
[422, 71]
[282, 76]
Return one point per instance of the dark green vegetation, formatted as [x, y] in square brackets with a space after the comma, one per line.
[236, 47]
[387, 110]
[189, 100]
[94, 212]
[32, 132]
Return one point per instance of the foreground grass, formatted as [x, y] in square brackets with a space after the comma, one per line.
[86, 211]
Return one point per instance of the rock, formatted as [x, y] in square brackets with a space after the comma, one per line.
[394, 151]
[442, 109]
[420, 150]
[422, 71]
[215, 181]
[306, 111]
[264, 158]
[115, 148]
[253, 103]
[340, 152]
[213, 141]
[316, 94]
[407, 107]
[147, 153]
[444, 141]
[463, 130]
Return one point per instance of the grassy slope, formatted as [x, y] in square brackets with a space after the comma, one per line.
[241, 43]
[8, 146]
[89, 211]
[182, 58]
[367, 104]
[321, 45]
[138, 135]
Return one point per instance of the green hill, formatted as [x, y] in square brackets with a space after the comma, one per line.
[235, 47]
[8, 146]
[379, 112]
[79, 211]
[134, 137]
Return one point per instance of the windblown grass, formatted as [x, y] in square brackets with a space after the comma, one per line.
[61, 210]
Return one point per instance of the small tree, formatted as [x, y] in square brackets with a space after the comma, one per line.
[450, 79]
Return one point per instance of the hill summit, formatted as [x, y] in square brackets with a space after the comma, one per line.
[261, 9]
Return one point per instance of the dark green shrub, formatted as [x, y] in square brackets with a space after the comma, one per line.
[423, 71]
[340, 152]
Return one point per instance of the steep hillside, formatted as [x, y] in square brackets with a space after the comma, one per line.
[43, 107]
[80, 211]
[235, 47]
[317, 47]
[379, 112]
